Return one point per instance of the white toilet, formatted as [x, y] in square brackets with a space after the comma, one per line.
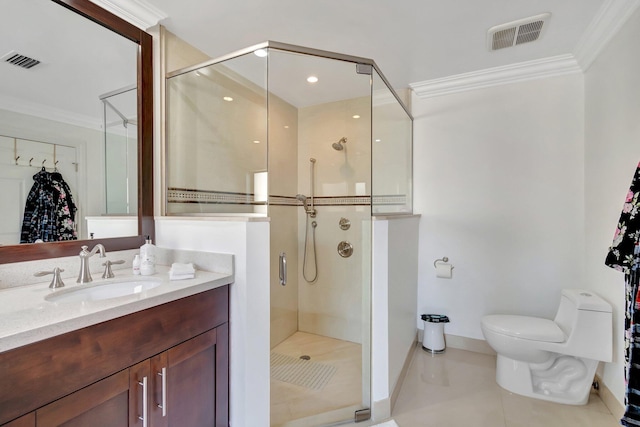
[556, 359]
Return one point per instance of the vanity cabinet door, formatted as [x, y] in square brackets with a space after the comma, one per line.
[197, 381]
[102, 404]
[139, 389]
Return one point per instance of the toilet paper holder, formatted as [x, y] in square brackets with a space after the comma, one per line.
[444, 259]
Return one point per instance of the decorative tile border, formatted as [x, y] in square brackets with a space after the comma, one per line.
[185, 195]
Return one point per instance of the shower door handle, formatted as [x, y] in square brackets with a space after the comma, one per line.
[283, 268]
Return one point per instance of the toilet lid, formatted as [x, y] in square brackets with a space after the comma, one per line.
[524, 327]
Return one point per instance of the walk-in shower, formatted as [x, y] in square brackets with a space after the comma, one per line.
[250, 135]
[121, 150]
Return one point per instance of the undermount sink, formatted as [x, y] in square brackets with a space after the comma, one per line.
[103, 291]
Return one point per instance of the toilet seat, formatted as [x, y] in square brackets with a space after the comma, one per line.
[524, 327]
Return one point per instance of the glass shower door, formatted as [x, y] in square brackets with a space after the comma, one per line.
[319, 159]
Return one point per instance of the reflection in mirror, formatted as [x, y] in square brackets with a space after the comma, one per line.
[121, 151]
[53, 119]
[52, 116]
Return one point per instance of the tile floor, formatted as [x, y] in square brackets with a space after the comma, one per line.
[293, 405]
[453, 389]
[458, 388]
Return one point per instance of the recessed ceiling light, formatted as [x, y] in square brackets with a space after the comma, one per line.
[286, 127]
[228, 98]
[355, 116]
[312, 79]
[260, 53]
[256, 142]
[378, 140]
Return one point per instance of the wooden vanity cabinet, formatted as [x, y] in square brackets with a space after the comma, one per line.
[28, 420]
[186, 384]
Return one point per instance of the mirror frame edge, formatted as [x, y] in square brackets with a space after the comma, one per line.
[146, 225]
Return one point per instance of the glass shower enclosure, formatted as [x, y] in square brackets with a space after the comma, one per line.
[318, 142]
[121, 150]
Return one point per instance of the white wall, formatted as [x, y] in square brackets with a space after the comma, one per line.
[498, 176]
[248, 241]
[612, 151]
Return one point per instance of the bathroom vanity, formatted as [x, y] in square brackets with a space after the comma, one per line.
[164, 363]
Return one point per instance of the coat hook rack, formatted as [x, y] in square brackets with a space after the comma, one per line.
[17, 160]
[43, 162]
[30, 160]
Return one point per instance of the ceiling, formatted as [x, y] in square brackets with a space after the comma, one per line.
[80, 61]
[410, 40]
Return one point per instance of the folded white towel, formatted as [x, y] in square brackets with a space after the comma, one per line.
[179, 268]
[182, 271]
[173, 276]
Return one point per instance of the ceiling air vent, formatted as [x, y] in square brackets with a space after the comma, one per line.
[516, 32]
[19, 60]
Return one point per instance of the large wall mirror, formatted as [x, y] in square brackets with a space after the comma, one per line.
[75, 107]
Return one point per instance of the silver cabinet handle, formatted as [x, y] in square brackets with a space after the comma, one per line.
[283, 268]
[163, 405]
[144, 416]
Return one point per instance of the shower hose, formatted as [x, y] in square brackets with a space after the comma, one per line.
[313, 246]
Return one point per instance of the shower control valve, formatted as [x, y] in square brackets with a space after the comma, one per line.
[344, 223]
[345, 249]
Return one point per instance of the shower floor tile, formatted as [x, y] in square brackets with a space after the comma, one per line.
[290, 402]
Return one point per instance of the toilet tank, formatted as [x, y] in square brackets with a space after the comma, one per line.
[574, 300]
[586, 320]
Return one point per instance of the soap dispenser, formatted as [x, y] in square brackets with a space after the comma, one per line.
[136, 265]
[147, 258]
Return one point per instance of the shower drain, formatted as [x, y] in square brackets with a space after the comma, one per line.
[305, 357]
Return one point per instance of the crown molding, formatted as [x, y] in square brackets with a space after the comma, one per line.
[21, 106]
[520, 72]
[137, 12]
[605, 25]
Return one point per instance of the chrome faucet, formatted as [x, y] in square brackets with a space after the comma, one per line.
[85, 274]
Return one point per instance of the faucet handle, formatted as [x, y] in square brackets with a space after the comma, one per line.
[56, 281]
[108, 273]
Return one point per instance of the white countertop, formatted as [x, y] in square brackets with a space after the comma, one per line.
[26, 316]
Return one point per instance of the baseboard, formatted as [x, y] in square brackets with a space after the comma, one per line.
[610, 401]
[469, 344]
[403, 374]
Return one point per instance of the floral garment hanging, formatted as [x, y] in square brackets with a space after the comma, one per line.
[49, 213]
[624, 256]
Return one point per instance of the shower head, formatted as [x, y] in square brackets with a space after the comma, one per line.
[339, 146]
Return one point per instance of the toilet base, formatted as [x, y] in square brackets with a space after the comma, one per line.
[562, 379]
